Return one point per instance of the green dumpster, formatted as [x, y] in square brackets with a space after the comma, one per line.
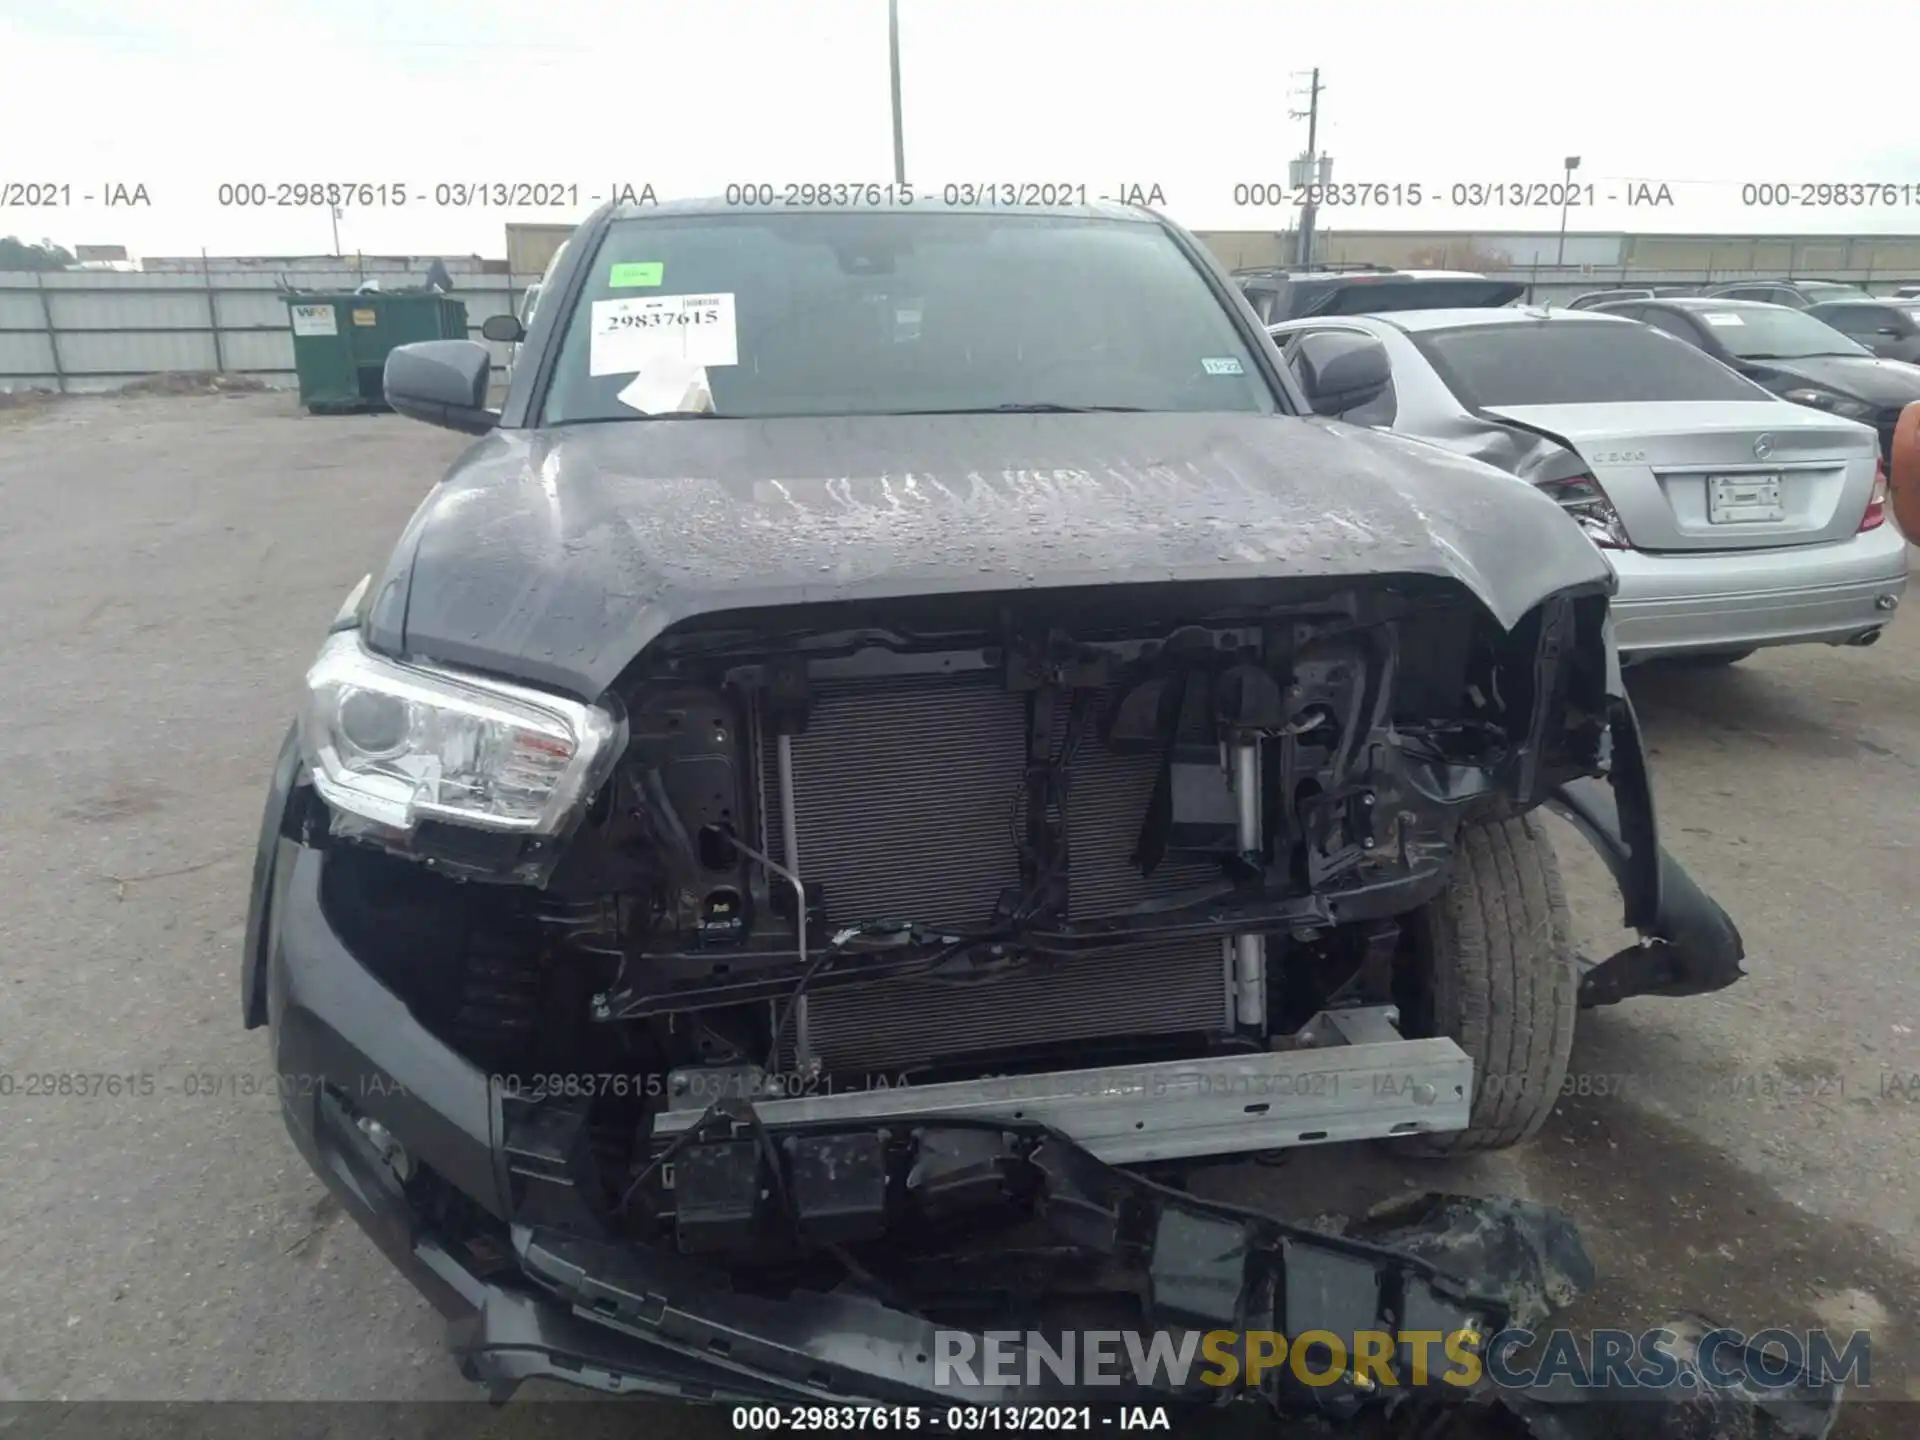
[340, 341]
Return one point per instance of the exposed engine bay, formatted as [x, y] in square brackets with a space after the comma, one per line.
[1092, 837]
[1008, 839]
[1158, 880]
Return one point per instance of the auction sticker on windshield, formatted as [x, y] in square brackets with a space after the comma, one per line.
[1722, 317]
[636, 273]
[629, 334]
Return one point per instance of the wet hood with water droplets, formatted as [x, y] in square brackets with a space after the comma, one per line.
[555, 556]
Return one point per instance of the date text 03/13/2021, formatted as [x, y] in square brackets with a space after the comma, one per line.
[949, 1420]
[963, 194]
[314, 193]
[192, 1084]
[1885, 1086]
[1458, 194]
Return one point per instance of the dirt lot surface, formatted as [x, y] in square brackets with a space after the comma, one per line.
[166, 568]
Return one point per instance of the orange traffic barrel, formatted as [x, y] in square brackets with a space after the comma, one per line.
[1903, 484]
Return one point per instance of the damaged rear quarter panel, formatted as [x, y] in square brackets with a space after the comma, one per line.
[555, 556]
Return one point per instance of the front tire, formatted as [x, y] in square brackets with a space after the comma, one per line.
[1494, 970]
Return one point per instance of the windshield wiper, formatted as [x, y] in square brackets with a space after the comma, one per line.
[1041, 407]
[638, 415]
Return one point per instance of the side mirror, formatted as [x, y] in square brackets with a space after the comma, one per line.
[503, 327]
[443, 382]
[1341, 372]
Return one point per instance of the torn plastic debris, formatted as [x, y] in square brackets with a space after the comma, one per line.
[1434, 1263]
[1687, 1408]
[1528, 1255]
[669, 385]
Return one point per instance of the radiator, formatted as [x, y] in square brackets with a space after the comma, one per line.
[908, 795]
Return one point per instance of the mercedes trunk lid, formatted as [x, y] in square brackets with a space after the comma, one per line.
[1717, 475]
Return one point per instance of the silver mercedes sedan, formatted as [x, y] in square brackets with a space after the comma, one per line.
[1733, 518]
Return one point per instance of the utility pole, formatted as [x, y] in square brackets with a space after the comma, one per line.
[1566, 195]
[893, 47]
[1310, 169]
[335, 211]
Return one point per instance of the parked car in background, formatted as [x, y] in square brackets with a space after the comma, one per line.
[1596, 297]
[1889, 328]
[516, 328]
[1278, 293]
[1796, 294]
[525, 321]
[1792, 353]
[1733, 519]
[1601, 297]
[1908, 291]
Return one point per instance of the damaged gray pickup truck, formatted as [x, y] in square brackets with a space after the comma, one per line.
[904, 725]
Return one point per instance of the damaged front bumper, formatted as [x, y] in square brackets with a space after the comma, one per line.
[1445, 1265]
[550, 1300]
[623, 1319]
[1430, 1266]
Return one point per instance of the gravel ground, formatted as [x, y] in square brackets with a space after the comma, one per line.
[166, 568]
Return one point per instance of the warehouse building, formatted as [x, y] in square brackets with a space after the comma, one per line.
[530, 247]
[1610, 256]
[304, 265]
[1586, 255]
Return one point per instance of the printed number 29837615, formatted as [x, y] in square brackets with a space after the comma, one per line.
[629, 334]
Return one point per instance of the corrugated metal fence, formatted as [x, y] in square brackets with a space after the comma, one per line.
[79, 332]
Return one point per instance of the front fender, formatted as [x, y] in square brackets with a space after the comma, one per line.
[273, 824]
[277, 820]
[1689, 945]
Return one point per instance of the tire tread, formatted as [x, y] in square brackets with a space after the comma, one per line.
[1505, 980]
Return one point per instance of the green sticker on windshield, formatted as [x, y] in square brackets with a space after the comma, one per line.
[643, 272]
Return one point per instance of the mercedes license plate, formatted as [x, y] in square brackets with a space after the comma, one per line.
[1744, 499]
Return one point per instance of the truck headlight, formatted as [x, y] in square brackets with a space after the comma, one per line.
[396, 744]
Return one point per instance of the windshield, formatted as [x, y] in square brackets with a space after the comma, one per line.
[890, 313]
[1554, 362]
[1774, 333]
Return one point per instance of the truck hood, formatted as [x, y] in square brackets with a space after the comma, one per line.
[555, 556]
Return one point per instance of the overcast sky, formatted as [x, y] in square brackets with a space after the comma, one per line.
[1191, 95]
